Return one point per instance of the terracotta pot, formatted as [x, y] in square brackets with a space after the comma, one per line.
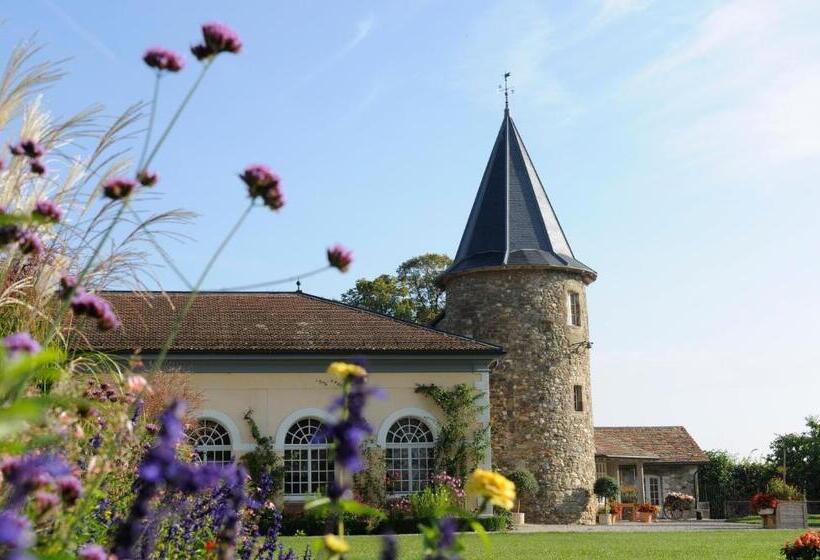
[517, 519]
[645, 516]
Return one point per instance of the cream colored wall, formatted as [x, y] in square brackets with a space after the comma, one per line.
[275, 396]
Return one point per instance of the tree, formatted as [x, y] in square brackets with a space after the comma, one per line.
[525, 484]
[607, 488]
[802, 458]
[410, 294]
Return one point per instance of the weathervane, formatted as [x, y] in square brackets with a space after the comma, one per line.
[507, 91]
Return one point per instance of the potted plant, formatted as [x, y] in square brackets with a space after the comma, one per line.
[791, 511]
[647, 513]
[525, 485]
[617, 510]
[606, 488]
[677, 504]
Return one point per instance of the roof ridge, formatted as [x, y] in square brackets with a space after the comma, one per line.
[398, 320]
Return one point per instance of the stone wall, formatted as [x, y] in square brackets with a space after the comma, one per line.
[534, 422]
[674, 478]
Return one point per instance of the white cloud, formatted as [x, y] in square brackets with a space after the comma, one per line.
[612, 11]
[81, 31]
[742, 89]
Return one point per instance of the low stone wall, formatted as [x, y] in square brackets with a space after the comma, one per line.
[791, 515]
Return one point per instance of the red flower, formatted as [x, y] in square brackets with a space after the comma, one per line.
[339, 257]
[210, 546]
[762, 500]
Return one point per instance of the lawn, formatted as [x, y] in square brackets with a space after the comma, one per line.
[814, 520]
[716, 545]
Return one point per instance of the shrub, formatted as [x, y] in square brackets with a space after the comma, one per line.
[525, 484]
[431, 503]
[606, 487]
[781, 490]
[369, 485]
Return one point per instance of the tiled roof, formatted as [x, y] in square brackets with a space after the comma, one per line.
[266, 323]
[665, 444]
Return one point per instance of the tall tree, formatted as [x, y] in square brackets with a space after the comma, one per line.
[411, 293]
[802, 458]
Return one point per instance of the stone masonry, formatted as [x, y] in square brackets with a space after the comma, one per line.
[534, 421]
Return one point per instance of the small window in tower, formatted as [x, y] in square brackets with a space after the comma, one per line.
[574, 309]
[579, 398]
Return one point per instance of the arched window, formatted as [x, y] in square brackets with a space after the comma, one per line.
[409, 455]
[212, 442]
[308, 466]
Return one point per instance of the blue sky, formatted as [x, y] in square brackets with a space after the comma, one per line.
[678, 141]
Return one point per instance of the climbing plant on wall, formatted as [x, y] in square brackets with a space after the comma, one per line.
[263, 463]
[462, 442]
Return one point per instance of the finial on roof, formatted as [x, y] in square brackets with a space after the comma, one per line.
[507, 91]
[298, 286]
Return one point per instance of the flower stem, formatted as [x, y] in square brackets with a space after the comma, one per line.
[178, 113]
[151, 117]
[190, 301]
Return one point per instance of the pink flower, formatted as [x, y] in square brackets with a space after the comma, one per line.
[163, 59]
[136, 384]
[44, 501]
[147, 178]
[68, 286]
[28, 148]
[264, 183]
[92, 551]
[29, 243]
[118, 187]
[218, 38]
[339, 257]
[47, 210]
[97, 308]
[37, 166]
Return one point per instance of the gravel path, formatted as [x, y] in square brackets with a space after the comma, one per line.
[632, 527]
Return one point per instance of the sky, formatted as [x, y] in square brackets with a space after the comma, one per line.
[678, 142]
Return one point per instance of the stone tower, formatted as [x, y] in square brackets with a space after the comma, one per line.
[515, 282]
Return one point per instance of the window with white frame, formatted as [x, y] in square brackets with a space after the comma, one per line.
[408, 455]
[309, 467]
[574, 309]
[212, 442]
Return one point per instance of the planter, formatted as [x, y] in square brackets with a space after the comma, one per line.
[768, 521]
[645, 516]
[517, 519]
[604, 519]
[791, 515]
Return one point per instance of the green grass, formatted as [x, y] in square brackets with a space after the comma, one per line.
[814, 520]
[701, 545]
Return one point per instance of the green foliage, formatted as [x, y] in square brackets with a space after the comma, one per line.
[725, 478]
[461, 443]
[431, 503]
[784, 491]
[263, 463]
[525, 482]
[369, 484]
[411, 294]
[606, 487]
[802, 452]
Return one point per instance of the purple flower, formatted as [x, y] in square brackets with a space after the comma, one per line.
[47, 210]
[390, 549]
[339, 257]
[163, 59]
[68, 286]
[118, 187]
[70, 488]
[264, 183]
[28, 148]
[15, 531]
[349, 432]
[97, 308]
[218, 38]
[147, 178]
[447, 532]
[45, 501]
[92, 551]
[20, 342]
[29, 473]
[37, 166]
[29, 243]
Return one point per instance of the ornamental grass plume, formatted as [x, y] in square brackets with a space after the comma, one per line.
[163, 59]
[492, 487]
[339, 257]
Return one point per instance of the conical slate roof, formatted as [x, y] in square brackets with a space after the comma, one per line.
[512, 222]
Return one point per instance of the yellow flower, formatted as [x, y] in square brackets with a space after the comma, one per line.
[497, 489]
[335, 545]
[343, 370]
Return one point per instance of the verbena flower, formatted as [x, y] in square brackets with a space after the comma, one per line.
[447, 533]
[29, 148]
[37, 166]
[20, 342]
[29, 473]
[68, 286]
[265, 184]
[70, 488]
[163, 59]
[218, 38]
[339, 257]
[15, 534]
[147, 178]
[45, 501]
[29, 243]
[97, 308]
[47, 210]
[92, 552]
[492, 486]
[118, 187]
